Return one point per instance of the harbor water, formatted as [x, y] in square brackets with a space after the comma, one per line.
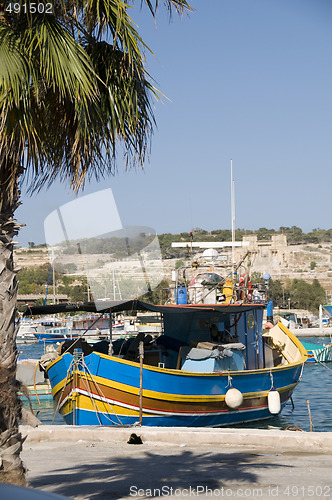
[314, 392]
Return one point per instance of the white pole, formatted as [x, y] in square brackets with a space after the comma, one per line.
[233, 222]
[119, 289]
[53, 277]
[320, 319]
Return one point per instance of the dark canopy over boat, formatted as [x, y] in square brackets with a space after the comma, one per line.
[114, 306]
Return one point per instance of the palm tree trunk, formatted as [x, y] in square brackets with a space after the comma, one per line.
[11, 466]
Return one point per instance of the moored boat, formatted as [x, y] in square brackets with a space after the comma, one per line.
[39, 392]
[318, 353]
[51, 331]
[54, 335]
[26, 332]
[213, 365]
[328, 309]
[48, 329]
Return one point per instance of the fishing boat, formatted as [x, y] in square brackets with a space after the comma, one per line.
[48, 329]
[56, 331]
[37, 393]
[209, 362]
[318, 353]
[328, 309]
[26, 332]
[89, 325]
[54, 335]
[44, 330]
[95, 327]
[212, 365]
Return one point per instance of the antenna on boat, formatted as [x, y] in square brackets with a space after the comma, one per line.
[116, 284]
[233, 223]
[48, 282]
[54, 296]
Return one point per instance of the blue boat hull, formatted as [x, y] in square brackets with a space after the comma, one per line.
[232, 418]
[49, 338]
[104, 390]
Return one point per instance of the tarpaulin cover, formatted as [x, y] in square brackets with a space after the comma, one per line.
[111, 306]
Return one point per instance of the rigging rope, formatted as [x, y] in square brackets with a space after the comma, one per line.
[81, 336]
[101, 394]
[63, 389]
[327, 367]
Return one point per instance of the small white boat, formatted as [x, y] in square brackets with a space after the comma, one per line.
[26, 332]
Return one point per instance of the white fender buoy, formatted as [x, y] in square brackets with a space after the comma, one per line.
[233, 398]
[273, 401]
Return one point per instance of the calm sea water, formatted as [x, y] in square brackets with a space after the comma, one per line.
[315, 387]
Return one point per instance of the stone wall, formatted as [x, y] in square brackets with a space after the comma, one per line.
[266, 255]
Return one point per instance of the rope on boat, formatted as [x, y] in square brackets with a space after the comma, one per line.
[34, 382]
[63, 389]
[321, 362]
[82, 336]
[101, 394]
[85, 379]
[69, 371]
[229, 381]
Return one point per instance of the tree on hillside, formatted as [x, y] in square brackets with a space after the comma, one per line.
[304, 295]
[73, 87]
[276, 293]
[294, 234]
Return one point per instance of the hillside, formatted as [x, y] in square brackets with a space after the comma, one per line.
[302, 261]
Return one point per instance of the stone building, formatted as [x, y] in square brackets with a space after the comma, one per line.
[267, 255]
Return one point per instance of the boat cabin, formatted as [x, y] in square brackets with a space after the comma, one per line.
[195, 338]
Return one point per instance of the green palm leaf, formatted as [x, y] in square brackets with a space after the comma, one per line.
[73, 87]
[178, 6]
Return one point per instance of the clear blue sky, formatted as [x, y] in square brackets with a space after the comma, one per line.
[249, 80]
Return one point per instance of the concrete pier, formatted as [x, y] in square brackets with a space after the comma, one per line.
[312, 332]
[98, 463]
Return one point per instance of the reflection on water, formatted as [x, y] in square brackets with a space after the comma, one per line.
[316, 387]
[45, 412]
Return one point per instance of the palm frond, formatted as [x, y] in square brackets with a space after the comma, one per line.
[73, 87]
[47, 59]
[179, 6]
[64, 64]
[85, 147]
[14, 67]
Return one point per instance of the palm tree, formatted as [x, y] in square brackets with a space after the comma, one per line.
[73, 89]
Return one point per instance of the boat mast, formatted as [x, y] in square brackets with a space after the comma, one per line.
[54, 301]
[233, 223]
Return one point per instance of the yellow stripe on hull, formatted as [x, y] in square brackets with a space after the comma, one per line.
[217, 374]
[83, 402]
[89, 402]
[135, 390]
[160, 395]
